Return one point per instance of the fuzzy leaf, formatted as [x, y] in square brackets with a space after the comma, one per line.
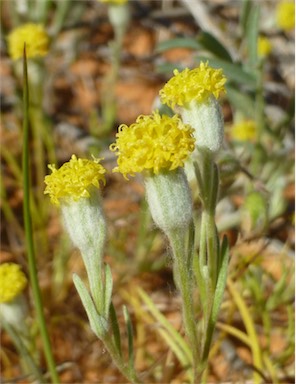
[97, 323]
[108, 290]
[218, 296]
[222, 277]
[115, 329]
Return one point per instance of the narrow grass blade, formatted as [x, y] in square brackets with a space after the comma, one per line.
[29, 231]
[250, 328]
[237, 333]
[130, 337]
[174, 338]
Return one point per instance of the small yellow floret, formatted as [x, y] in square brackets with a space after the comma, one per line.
[285, 15]
[244, 131]
[152, 143]
[114, 2]
[264, 46]
[12, 282]
[195, 84]
[73, 180]
[35, 37]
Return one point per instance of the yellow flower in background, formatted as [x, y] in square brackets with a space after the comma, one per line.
[114, 2]
[12, 281]
[243, 131]
[73, 180]
[35, 37]
[264, 46]
[152, 143]
[285, 15]
[195, 84]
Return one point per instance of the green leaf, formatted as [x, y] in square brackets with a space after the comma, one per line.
[233, 71]
[252, 29]
[115, 329]
[107, 290]
[241, 101]
[97, 323]
[168, 68]
[244, 15]
[213, 45]
[221, 281]
[218, 296]
[187, 42]
[130, 337]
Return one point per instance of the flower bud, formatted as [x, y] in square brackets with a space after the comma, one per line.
[207, 120]
[74, 187]
[193, 94]
[169, 200]
[85, 223]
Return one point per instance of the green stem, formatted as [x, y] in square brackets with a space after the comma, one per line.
[117, 359]
[203, 243]
[29, 235]
[209, 254]
[209, 193]
[177, 240]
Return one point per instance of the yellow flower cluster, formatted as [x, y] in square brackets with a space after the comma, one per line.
[114, 2]
[244, 130]
[195, 84]
[35, 37]
[73, 180]
[264, 46]
[285, 15]
[152, 143]
[13, 281]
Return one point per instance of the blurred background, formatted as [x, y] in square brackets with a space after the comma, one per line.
[105, 66]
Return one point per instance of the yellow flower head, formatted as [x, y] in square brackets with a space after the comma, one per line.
[152, 143]
[35, 37]
[114, 2]
[73, 180]
[243, 131]
[264, 46]
[195, 84]
[12, 281]
[285, 15]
